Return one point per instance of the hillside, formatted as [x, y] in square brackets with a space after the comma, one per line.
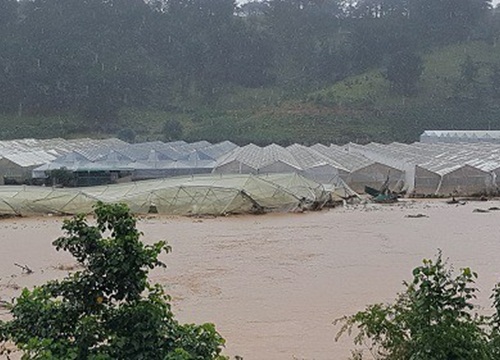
[361, 108]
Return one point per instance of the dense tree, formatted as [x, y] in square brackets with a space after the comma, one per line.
[95, 57]
[8, 53]
[172, 130]
[8, 14]
[446, 21]
[403, 72]
[467, 88]
[495, 81]
[305, 34]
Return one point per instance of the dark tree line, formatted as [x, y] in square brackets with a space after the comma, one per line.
[94, 57]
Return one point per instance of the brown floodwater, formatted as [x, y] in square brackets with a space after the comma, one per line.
[273, 284]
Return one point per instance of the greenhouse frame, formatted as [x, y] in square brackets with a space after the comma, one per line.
[198, 195]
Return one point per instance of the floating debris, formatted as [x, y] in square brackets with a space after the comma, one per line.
[416, 216]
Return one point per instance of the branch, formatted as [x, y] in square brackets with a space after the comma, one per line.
[25, 268]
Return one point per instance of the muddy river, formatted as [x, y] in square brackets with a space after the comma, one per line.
[273, 284]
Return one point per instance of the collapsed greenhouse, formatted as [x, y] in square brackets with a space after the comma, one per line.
[200, 195]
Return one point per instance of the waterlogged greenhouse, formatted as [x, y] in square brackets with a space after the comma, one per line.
[439, 169]
[361, 170]
[199, 195]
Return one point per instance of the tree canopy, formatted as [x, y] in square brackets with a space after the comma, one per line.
[97, 56]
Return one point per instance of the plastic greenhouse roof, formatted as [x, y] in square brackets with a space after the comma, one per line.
[349, 161]
[176, 143]
[479, 134]
[192, 146]
[438, 158]
[141, 153]
[219, 150]
[29, 159]
[58, 145]
[249, 155]
[256, 157]
[309, 158]
[274, 153]
[211, 195]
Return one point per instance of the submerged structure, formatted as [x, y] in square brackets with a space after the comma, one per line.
[198, 195]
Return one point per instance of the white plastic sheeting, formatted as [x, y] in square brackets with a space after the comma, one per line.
[252, 159]
[362, 170]
[149, 160]
[439, 169]
[317, 166]
[19, 157]
[201, 195]
[460, 136]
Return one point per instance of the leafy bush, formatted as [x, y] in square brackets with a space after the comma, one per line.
[403, 71]
[434, 318]
[62, 176]
[109, 310]
[172, 130]
[127, 135]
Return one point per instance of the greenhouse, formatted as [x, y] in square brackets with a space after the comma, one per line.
[142, 161]
[198, 195]
[18, 158]
[316, 166]
[435, 168]
[438, 168]
[460, 136]
[362, 171]
[252, 159]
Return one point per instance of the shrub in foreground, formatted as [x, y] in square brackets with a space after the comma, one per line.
[108, 310]
[433, 319]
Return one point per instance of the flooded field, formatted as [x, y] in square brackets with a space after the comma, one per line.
[273, 284]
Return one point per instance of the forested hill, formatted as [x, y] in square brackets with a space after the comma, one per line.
[272, 71]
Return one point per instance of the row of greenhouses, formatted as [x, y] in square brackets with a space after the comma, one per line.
[122, 162]
[440, 168]
[460, 136]
[18, 158]
[324, 164]
[140, 161]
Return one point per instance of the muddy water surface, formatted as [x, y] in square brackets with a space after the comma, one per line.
[273, 284]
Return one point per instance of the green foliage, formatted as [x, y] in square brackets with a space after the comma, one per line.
[172, 130]
[108, 310]
[434, 318]
[102, 66]
[495, 81]
[127, 135]
[403, 72]
[61, 176]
